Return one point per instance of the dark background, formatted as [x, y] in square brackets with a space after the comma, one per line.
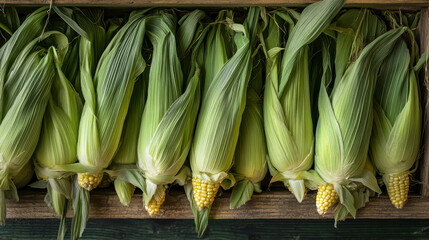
[224, 229]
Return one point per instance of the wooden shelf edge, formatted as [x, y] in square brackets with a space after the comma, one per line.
[215, 3]
[278, 204]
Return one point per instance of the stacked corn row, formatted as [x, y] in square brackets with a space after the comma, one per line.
[340, 92]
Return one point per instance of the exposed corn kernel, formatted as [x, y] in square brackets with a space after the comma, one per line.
[326, 198]
[398, 189]
[89, 181]
[204, 192]
[155, 203]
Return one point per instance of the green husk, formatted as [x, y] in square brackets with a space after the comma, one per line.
[220, 114]
[127, 152]
[219, 119]
[27, 70]
[250, 158]
[355, 29]
[24, 176]
[20, 127]
[345, 123]
[396, 136]
[58, 142]
[287, 106]
[169, 116]
[107, 83]
[107, 94]
[9, 23]
[217, 47]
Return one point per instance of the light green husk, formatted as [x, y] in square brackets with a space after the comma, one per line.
[24, 176]
[287, 106]
[107, 85]
[58, 142]
[127, 152]
[9, 23]
[27, 71]
[219, 119]
[217, 47]
[396, 136]
[220, 115]
[250, 158]
[345, 123]
[107, 91]
[170, 114]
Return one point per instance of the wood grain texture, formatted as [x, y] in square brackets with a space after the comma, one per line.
[216, 3]
[276, 204]
[424, 47]
[255, 229]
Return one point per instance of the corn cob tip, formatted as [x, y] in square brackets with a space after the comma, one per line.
[204, 192]
[155, 203]
[326, 198]
[397, 188]
[89, 181]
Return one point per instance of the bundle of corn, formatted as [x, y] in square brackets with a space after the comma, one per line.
[219, 121]
[396, 135]
[57, 144]
[28, 63]
[287, 107]
[250, 164]
[126, 157]
[169, 116]
[355, 29]
[344, 130]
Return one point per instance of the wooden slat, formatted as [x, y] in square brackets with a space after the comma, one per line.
[424, 46]
[216, 3]
[278, 204]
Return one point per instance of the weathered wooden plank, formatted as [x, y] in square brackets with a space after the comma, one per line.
[276, 204]
[424, 46]
[216, 3]
[223, 229]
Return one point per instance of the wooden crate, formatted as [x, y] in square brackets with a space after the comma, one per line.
[277, 203]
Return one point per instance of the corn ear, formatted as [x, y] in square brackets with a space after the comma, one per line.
[25, 95]
[250, 158]
[344, 127]
[218, 124]
[107, 81]
[356, 29]
[395, 141]
[169, 116]
[58, 142]
[127, 152]
[287, 106]
[106, 93]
